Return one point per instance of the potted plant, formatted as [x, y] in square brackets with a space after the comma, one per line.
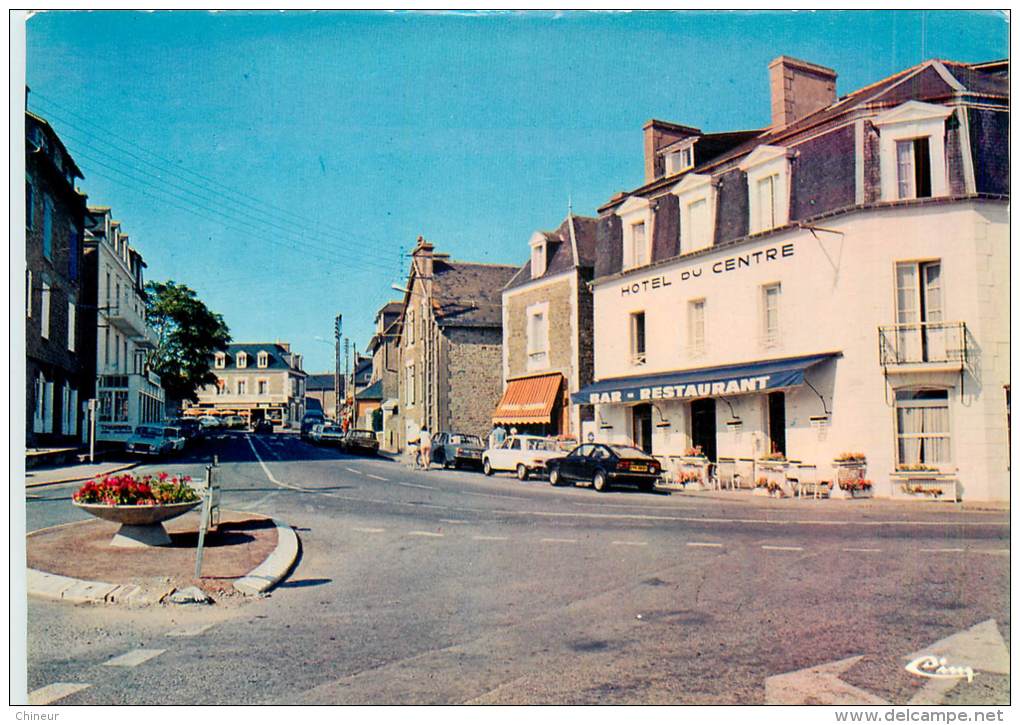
[922, 480]
[856, 487]
[138, 504]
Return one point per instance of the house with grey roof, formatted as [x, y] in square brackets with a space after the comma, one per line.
[256, 380]
[450, 344]
[547, 332]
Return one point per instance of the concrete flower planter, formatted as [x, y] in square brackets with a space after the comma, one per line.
[139, 525]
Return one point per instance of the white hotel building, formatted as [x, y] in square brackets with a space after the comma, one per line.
[837, 282]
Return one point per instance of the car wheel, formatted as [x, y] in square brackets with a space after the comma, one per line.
[554, 477]
[522, 472]
[486, 467]
[600, 482]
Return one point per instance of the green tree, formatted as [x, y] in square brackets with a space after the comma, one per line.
[187, 335]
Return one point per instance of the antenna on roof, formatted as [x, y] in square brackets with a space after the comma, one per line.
[570, 204]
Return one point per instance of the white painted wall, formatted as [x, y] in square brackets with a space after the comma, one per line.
[836, 291]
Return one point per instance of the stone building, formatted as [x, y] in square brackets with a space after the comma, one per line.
[836, 282]
[450, 342]
[256, 380]
[384, 380]
[127, 391]
[58, 377]
[547, 340]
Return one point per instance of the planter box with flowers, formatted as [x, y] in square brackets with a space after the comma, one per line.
[924, 482]
[139, 505]
[765, 487]
[850, 469]
[772, 468]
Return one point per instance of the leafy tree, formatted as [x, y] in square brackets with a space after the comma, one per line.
[187, 335]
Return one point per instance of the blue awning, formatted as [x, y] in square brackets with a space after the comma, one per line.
[754, 377]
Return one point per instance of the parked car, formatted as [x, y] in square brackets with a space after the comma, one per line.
[190, 429]
[310, 421]
[155, 440]
[234, 422]
[523, 454]
[452, 450]
[359, 440]
[328, 434]
[604, 465]
[264, 426]
[210, 422]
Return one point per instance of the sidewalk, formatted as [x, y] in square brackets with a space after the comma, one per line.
[70, 474]
[870, 504]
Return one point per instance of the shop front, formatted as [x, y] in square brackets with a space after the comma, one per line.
[536, 404]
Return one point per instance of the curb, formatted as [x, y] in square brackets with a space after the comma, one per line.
[259, 580]
[267, 574]
[125, 467]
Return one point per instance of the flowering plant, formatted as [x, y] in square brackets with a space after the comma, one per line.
[855, 484]
[774, 456]
[921, 488]
[694, 452]
[128, 490]
[847, 457]
[915, 467]
[772, 486]
[686, 477]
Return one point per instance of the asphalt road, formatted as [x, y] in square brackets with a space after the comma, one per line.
[450, 587]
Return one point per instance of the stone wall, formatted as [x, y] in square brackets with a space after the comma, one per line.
[559, 357]
[473, 378]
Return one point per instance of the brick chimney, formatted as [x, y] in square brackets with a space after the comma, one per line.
[799, 88]
[657, 135]
[422, 256]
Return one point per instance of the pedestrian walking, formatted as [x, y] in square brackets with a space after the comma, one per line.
[425, 445]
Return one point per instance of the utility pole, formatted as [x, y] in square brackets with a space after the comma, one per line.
[354, 390]
[337, 327]
[347, 368]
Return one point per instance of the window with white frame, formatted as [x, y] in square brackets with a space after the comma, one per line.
[696, 196]
[679, 160]
[409, 337]
[71, 310]
[409, 385]
[638, 355]
[242, 387]
[696, 327]
[636, 217]
[768, 188]
[912, 151]
[920, 329]
[263, 359]
[263, 387]
[220, 360]
[242, 359]
[770, 296]
[922, 428]
[538, 335]
[44, 314]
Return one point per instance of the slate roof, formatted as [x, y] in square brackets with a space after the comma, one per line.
[372, 392]
[277, 356]
[469, 294]
[560, 250]
[319, 381]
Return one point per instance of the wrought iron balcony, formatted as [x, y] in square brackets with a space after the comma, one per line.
[925, 343]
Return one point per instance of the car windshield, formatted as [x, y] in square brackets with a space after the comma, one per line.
[629, 452]
[362, 434]
[464, 440]
[171, 433]
[542, 445]
[332, 429]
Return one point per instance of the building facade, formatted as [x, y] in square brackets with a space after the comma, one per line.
[450, 344]
[58, 376]
[385, 354]
[128, 393]
[258, 381]
[547, 333]
[836, 283]
[320, 393]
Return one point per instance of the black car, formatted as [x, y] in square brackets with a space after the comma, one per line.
[309, 422]
[190, 429]
[452, 450]
[604, 465]
[359, 440]
[263, 426]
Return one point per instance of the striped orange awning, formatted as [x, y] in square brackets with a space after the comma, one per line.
[528, 400]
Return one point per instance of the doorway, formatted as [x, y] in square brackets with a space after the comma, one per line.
[703, 426]
[641, 421]
[777, 423]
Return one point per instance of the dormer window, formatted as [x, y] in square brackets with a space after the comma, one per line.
[221, 360]
[263, 359]
[636, 215]
[768, 184]
[912, 151]
[679, 160]
[242, 359]
[696, 195]
[539, 255]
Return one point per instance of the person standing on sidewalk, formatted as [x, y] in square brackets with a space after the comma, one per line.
[425, 443]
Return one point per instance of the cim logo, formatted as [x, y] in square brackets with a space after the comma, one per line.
[938, 668]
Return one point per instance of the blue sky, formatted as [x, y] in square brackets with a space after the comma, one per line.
[282, 163]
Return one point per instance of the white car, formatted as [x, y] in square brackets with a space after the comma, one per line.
[209, 422]
[523, 454]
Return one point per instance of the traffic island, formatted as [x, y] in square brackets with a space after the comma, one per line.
[246, 554]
